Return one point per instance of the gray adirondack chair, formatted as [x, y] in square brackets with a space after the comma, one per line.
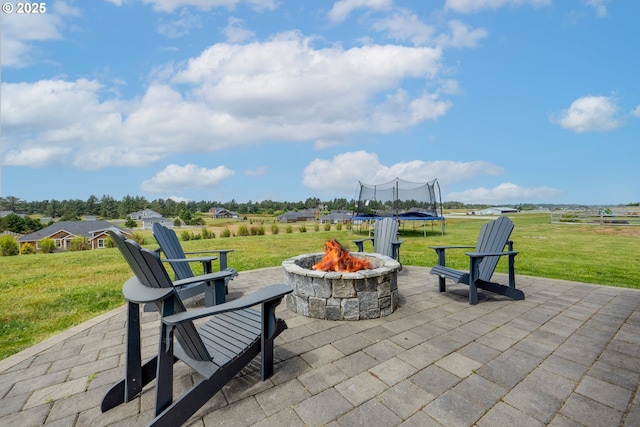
[385, 239]
[180, 263]
[217, 350]
[493, 238]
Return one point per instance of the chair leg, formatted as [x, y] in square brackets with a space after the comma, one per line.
[473, 277]
[441, 261]
[271, 327]
[182, 409]
[137, 375]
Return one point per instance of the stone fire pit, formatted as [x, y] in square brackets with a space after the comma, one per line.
[364, 294]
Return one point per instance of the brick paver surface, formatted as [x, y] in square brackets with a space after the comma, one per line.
[569, 354]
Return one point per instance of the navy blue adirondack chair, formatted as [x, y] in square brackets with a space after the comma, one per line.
[180, 263]
[217, 350]
[493, 238]
[385, 239]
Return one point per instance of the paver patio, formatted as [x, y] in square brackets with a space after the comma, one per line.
[568, 355]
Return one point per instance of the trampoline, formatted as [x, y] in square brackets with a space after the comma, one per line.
[403, 200]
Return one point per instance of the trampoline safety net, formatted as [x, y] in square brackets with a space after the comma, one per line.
[399, 198]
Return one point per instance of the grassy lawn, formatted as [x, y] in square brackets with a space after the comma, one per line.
[44, 294]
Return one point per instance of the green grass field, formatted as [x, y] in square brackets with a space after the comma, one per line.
[44, 294]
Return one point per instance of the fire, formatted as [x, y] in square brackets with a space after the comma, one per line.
[337, 258]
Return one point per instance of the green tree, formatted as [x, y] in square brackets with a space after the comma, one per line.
[108, 207]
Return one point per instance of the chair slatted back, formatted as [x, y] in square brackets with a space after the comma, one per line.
[386, 231]
[493, 237]
[150, 272]
[170, 245]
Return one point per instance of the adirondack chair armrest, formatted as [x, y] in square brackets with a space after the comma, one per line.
[136, 292]
[262, 296]
[199, 259]
[437, 248]
[222, 254]
[360, 243]
[203, 278]
[397, 242]
[210, 251]
[440, 251]
[486, 254]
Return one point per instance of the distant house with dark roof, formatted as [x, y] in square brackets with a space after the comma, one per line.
[336, 217]
[144, 214]
[5, 213]
[302, 216]
[64, 231]
[500, 210]
[147, 223]
[223, 213]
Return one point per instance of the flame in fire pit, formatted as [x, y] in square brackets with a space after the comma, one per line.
[337, 258]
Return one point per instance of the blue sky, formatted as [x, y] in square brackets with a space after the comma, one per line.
[502, 101]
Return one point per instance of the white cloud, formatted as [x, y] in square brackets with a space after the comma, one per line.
[600, 6]
[290, 91]
[181, 26]
[504, 193]
[36, 156]
[21, 33]
[235, 32]
[462, 36]
[342, 172]
[342, 8]
[262, 5]
[405, 25]
[259, 171]
[180, 178]
[471, 6]
[589, 114]
[171, 5]
[636, 111]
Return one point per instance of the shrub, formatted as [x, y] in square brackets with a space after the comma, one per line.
[288, 230]
[177, 222]
[225, 233]
[302, 229]
[275, 229]
[316, 227]
[196, 236]
[8, 246]
[206, 234]
[327, 226]
[138, 238]
[47, 246]
[27, 249]
[339, 226]
[185, 235]
[79, 243]
[130, 223]
[257, 231]
[243, 230]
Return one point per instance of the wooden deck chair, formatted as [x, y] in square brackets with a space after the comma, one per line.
[180, 263]
[217, 350]
[385, 239]
[493, 238]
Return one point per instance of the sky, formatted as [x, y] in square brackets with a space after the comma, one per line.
[502, 101]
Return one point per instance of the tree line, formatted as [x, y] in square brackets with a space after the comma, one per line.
[107, 207]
